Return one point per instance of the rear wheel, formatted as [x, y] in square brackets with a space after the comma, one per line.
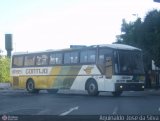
[92, 88]
[30, 86]
[117, 93]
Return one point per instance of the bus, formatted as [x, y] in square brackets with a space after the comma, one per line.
[98, 68]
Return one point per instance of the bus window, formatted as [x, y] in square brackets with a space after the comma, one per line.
[74, 57]
[101, 59]
[88, 56]
[102, 53]
[55, 58]
[42, 60]
[130, 62]
[71, 57]
[17, 61]
[66, 58]
[83, 57]
[91, 56]
[29, 60]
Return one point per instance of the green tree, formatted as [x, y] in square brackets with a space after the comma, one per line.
[151, 26]
[4, 69]
[145, 35]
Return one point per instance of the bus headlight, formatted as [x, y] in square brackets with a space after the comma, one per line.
[143, 87]
[121, 86]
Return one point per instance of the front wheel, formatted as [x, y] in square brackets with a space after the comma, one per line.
[92, 88]
[117, 93]
[31, 87]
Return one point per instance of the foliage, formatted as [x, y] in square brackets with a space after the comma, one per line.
[145, 35]
[4, 69]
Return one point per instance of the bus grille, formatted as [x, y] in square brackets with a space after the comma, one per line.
[15, 81]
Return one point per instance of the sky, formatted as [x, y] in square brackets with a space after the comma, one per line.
[38, 25]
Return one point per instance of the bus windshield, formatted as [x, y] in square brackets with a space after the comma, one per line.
[130, 62]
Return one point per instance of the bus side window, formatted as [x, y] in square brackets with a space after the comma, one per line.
[91, 56]
[74, 57]
[17, 61]
[29, 60]
[101, 59]
[88, 56]
[83, 57]
[42, 60]
[55, 58]
[70, 57]
[59, 58]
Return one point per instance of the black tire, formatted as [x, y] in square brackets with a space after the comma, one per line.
[52, 91]
[30, 86]
[92, 88]
[117, 93]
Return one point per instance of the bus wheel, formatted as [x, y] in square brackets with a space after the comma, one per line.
[117, 93]
[52, 91]
[92, 88]
[31, 87]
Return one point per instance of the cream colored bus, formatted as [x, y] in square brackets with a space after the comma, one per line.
[114, 68]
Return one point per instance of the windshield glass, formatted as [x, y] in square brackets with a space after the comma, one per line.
[130, 62]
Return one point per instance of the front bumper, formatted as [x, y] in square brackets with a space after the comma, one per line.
[129, 87]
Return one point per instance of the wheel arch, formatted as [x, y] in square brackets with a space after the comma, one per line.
[33, 90]
[29, 79]
[88, 80]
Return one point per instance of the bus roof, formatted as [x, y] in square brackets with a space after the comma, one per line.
[119, 46]
[113, 46]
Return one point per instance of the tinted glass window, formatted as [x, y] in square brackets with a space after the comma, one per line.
[71, 57]
[17, 61]
[102, 53]
[83, 57]
[66, 58]
[74, 57]
[91, 56]
[88, 56]
[42, 60]
[130, 62]
[29, 60]
[56, 58]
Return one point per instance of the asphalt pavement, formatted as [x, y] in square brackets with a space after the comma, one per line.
[20, 102]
